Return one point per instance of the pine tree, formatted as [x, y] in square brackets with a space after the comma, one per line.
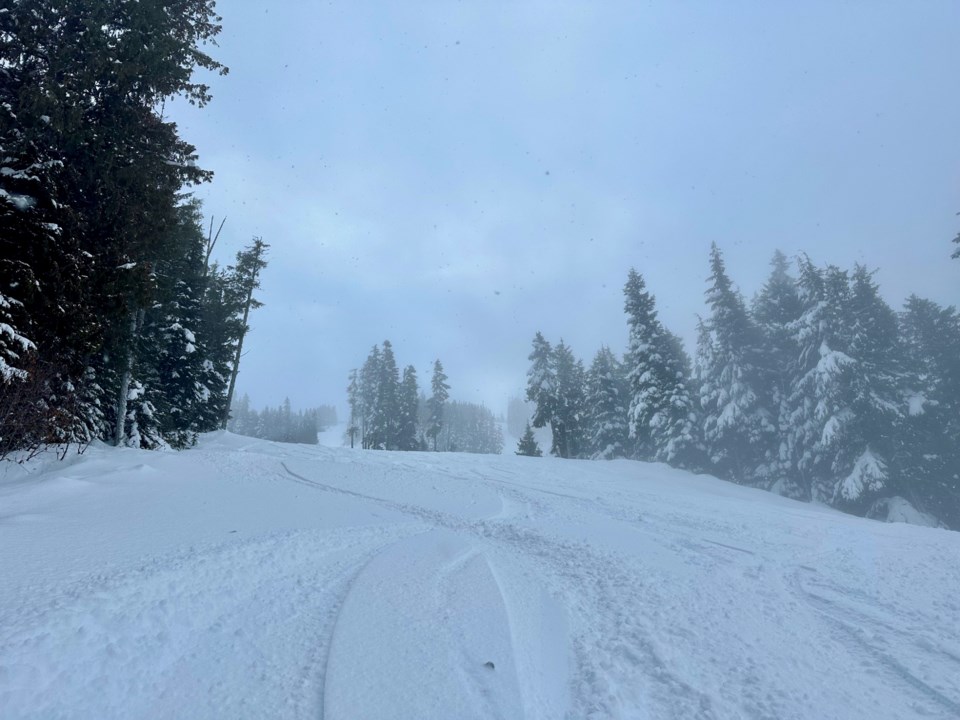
[408, 401]
[863, 466]
[542, 382]
[384, 418]
[776, 309]
[369, 384]
[661, 414]
[528, 444]
[245, 279]
[568, 419]
[739, 430]
[439, 393]
[929, 456]
[606, 403]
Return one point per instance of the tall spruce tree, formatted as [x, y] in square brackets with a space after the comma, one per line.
[739, 429]
[439, 394]
[569, 412]
[83, 86]
[385, 414]
[245, 280]
[662, 414]
[407, 407]
[542, 382]
[929, 455]
[606, 403]
[776, 309]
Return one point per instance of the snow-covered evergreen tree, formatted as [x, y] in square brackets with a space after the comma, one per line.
[385, 415]
[929, 454]
[569, 413]
[439, 394]
[541, 381]
[528, 445]
[775, 310]
[407, 406]
[606, 403]
[369, 382]
[739, 429]
[661, 413]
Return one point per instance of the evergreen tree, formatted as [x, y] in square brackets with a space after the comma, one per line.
[739, 430]
[408, 403]
[661, 414]
[369, 384]
[776, 309]
[568, 419]
[864, 465]
[929, 456]
[542, 382]
[245, 279]
[384, 419]
[92, 175]
[528, 444]
[439, 393]
[606, 403]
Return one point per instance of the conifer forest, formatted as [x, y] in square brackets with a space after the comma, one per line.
[118, 325]
[115, 323]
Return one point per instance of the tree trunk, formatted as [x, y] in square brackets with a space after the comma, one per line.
[236, 359]
[136, 321]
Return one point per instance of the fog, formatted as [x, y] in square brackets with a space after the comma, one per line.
[454, 177]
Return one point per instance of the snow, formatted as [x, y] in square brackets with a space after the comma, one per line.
[248, 579]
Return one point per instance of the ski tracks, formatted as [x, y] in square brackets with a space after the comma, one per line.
[235, 629]
[892, 643]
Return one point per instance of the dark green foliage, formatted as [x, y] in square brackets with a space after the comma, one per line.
[929, 455]
[606, 407]
[439, 394]
[407, 408]
[528, 444]
[99, 268]
[556, 385]
[661, 413]
[739, 425]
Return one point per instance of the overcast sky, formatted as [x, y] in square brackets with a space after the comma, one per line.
[454, 176]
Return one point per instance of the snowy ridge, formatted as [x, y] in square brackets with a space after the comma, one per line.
[250, 579]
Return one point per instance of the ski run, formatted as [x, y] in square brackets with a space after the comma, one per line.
[247, 579]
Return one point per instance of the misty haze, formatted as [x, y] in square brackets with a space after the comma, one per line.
[469, 360]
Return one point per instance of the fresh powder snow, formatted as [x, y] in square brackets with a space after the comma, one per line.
[247, 579]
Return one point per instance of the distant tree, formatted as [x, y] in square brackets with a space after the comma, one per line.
[528, 444]
[439, 393]
[384, 418]
[368, 393]
[408, 402]
[519, 412]
[246, 279]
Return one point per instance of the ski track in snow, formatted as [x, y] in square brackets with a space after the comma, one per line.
[417, 585]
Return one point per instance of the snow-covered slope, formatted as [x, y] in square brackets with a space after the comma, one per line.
[245, 579]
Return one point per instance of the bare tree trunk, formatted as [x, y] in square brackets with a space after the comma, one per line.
[236, 359]
[136, 321]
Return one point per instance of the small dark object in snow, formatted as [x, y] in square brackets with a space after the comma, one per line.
[233, 531]
[488, 664]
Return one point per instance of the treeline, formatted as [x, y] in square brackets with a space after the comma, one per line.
[388, 411]
[816, 389]
[113, 322]
[281, 424]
